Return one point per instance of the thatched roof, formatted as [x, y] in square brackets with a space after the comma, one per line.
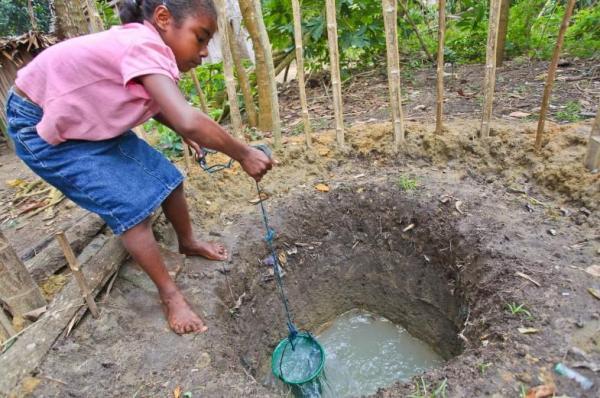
[11, 48]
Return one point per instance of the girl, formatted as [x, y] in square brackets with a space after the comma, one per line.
[71, 111]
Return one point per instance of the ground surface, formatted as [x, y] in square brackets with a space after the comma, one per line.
[481, 212]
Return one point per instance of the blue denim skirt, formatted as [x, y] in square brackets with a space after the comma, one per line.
[123, 179]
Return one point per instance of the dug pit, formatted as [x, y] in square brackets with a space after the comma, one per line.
[374, 248]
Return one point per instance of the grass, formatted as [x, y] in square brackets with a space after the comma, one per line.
[570, 113]
[484, 366]
[422, 390]
[518, 309]
[407, 184]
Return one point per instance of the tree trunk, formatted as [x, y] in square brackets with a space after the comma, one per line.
[334, 67]
[268, 102]
[242, 77]
[17, 288]
[34, 25]
[439, 114]
[300, 72]
[552, 73]
[502, 31]
[234, 108]
[390, 19]
[489, 84]
[68, 20]
[94, 20]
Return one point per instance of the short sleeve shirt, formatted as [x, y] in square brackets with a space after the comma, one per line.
[87, 85]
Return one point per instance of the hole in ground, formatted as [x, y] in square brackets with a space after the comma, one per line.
[353, 249]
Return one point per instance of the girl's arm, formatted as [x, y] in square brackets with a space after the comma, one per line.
[197, 127]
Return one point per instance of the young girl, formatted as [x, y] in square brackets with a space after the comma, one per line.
[71, 111]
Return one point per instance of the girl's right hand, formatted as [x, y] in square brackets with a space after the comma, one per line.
[256, 163]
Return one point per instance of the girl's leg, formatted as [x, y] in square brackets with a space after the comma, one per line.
[141, 244]
[176, 211]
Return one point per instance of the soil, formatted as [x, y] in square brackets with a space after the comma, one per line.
[480, 211]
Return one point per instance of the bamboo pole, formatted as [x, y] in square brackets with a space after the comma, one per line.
[75, 269]
[242, 77]
[300, 67]
[439, 115]
[18, 290]
[334, 66]
[203, 102]
[502, 31]
[187, 157]
[552, 73]
[592, 158]
[390, 19]
[490, 67]
[236, 117]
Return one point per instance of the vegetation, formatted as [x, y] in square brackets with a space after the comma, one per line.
[424, 390]
[15, 20]
[518, 309]
[407, 183]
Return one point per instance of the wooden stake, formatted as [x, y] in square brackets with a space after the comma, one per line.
[552, 74]
[203, 103]
[592, 158]
[187, 158]
[490, 67]
[502, 31]
[75, 269]
[300, 67]
[334, 66]
[390, 19]
[242, 77]
[234, 108]
[439, 115]
[18, 290]
[6, 324]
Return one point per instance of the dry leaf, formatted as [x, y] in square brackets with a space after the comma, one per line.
[528, 330]
[594, 292]
[263, 196]
[519, 114]
[15, 183]
[322, 187]
[177, 392]
[593, 270]
[543, 391]
[457, 206]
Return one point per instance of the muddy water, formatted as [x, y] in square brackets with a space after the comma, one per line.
[365, 352]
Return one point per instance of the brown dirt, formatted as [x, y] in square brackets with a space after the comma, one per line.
[482, 211]
[355, 232]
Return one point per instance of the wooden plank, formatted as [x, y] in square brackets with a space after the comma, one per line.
[27, 352]
[51, 258]
[18, 290]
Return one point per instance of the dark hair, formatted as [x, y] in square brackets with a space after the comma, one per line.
[140, 10]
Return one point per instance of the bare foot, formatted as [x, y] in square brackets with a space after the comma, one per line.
[182, 319]
[210, 250]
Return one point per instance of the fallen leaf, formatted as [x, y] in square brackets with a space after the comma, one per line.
[528, 330]
[322, 187]
[519, 114]
[543, 391]
[177, 392]
[457, 206]
[593, 270]
[594, 292]
[411, 226]
[15, 183]
[262, 197]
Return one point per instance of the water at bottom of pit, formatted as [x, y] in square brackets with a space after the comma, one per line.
[365, 352]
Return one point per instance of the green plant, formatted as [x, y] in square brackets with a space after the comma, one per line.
[518, 309]
[484, 366]
[407, 183]
[570, 113]
[422, 390]
[169, 143]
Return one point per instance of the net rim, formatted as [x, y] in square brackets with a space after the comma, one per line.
[281, 346]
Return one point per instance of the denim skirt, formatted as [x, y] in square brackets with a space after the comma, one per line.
[123, 179]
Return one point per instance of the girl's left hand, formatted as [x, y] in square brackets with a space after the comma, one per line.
[195, 147]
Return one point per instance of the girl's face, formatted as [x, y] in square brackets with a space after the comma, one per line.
[188, 40]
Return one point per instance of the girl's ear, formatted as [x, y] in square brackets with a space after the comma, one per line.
[162, 18]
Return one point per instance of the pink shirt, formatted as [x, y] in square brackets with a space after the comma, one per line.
[86, 85]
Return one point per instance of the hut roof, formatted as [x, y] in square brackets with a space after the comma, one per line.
[11, 48]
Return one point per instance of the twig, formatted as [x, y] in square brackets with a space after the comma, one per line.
[461, 334]
[51, 379]
[525, 276]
